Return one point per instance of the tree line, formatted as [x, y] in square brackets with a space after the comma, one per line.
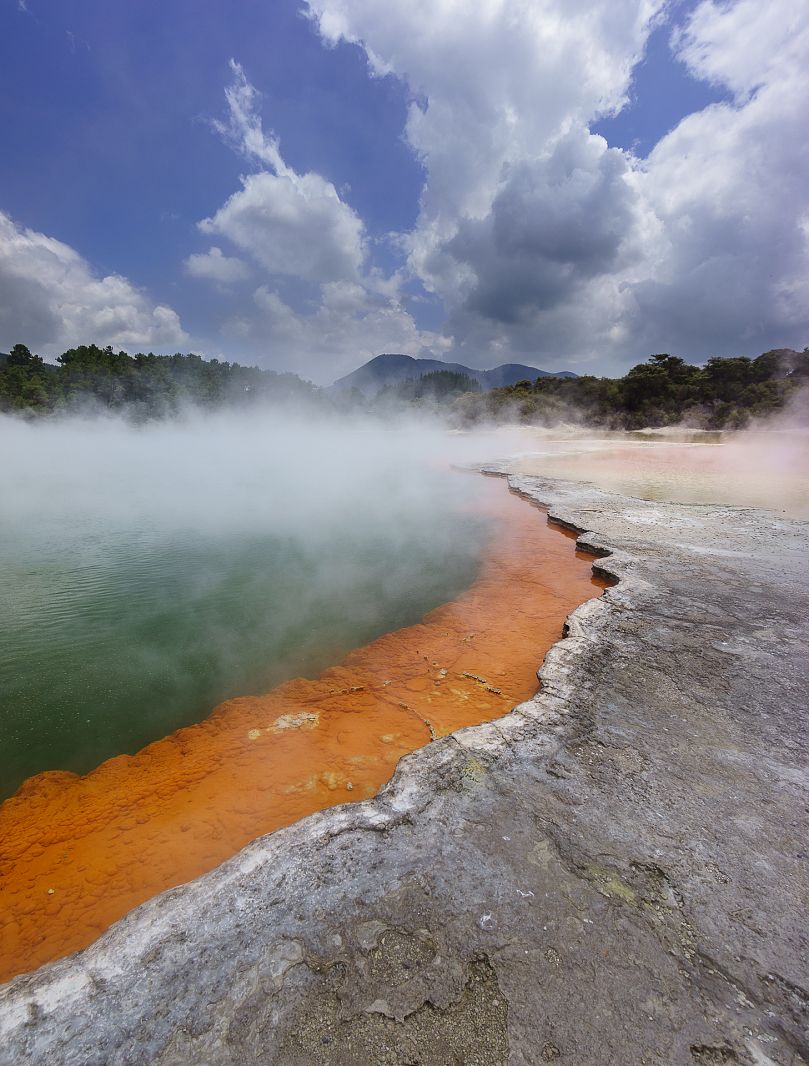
[665, 390]
[143, 386]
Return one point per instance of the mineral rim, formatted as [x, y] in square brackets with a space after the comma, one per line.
[614, 872]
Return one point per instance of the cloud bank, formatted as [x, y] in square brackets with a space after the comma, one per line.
[51, 299]
[540, 239]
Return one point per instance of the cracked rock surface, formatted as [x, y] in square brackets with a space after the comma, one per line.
[615, 872]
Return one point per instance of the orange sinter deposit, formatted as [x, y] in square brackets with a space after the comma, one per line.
[76, 853]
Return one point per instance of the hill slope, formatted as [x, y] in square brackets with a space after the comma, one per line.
[391, 369]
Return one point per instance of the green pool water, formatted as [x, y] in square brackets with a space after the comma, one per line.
[104, 651]
[118, 626]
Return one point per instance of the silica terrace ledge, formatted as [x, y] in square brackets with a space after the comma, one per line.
[613, 873]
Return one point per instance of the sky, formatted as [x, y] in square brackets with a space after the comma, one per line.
[305, 184]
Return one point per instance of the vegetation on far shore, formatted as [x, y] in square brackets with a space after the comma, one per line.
[665, 390]
[142, 386]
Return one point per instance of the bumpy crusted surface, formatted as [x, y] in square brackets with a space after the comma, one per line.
[613, 873]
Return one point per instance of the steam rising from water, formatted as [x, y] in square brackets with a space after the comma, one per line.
[766, 468]
[150, 572]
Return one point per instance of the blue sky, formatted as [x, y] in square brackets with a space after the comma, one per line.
[120, 97]
[662, 92]
[455, 186]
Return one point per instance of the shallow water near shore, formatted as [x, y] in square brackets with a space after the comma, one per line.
[764, 468]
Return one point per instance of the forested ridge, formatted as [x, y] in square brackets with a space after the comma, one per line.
[142, 386]
[664, 390]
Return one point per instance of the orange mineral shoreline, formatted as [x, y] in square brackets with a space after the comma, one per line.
[77, 853]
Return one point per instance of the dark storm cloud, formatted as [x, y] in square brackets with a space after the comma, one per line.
[554, 223]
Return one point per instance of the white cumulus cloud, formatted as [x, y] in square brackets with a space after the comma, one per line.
[297, 227]
[495, 83]
[291, 224]
[216, 266]
[51, 299]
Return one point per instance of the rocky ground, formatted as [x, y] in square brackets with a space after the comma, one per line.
[615, 873]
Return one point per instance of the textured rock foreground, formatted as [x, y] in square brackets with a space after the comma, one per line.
[613, 873]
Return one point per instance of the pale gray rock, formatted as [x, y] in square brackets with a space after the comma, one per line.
[614, 873]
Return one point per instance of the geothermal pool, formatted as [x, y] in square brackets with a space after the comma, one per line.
[113, 637]
[149, 577]
[150, 573]
[768, 469]
[79, 852]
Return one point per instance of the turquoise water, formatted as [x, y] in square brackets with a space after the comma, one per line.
[143, 583]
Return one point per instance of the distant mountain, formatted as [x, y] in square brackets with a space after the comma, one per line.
[391, 369]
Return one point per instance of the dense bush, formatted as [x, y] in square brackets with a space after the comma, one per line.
[145, 386]
[665, 390]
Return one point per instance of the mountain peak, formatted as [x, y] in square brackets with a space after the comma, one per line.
[391, 368]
